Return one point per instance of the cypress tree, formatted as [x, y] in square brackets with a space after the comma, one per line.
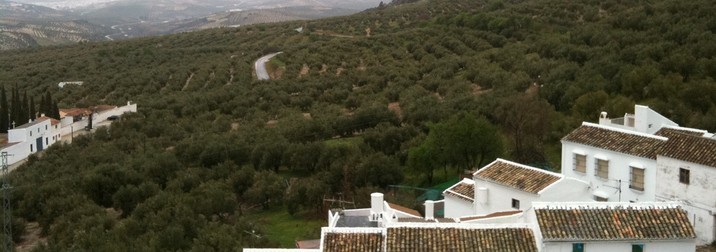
[55, 111]
[24, 114]
[15, 109]
[4, 120]
[42, 107]
[33, 113]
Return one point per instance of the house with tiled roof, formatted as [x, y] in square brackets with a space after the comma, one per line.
[686, 172]
[433, 237]
[619, 164]
[508, 186]
[609, 226]
[647, 157]
[31, 137]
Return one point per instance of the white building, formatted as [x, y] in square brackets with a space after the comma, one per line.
[613, 227]
[686, 172]
[31, 138]
[380, 214]
[644, 120]
[620, 165]
[503, 186]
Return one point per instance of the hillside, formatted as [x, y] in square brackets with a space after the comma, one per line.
[214, 156]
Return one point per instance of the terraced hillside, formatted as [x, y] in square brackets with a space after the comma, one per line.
[216, 160]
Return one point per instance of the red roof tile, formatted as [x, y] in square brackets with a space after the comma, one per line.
[521, 177]
[694, 149]
[591, 223]
[640, 145]
[438, 239]
[352, 242]
[492, 215]
[463, 190]
[404, 209]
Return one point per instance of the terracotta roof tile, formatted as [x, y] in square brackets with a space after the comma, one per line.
[590, 223]
[462, 190]
[615, 140]
[352, 242]
[694, 149]
[666, 132]
[437, 239]
[521, 177]
[404, 209]
[492, 215]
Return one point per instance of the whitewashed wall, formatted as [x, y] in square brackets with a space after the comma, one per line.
[698, 197]
[618, 170]
[456, 207]
[500, 197]
[624, 246]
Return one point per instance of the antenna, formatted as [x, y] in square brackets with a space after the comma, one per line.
[7, 227]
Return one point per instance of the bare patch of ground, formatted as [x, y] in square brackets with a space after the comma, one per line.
[235, 126]
[395, 107]
[188, 80]
[31, 239]
[304, 70]
[339, 71]
[477, 90]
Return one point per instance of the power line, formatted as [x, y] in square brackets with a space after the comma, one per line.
[7, 227]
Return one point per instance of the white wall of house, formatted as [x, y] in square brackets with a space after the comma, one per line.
[456, 207]
[499, 198]
[649, 121]
[619, 169]
[567, 189]
[624, 246]
[698, 197]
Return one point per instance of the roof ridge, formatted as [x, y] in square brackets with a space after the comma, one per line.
[636, 133]
[521, 166]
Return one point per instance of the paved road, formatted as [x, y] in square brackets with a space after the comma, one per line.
[260, 66]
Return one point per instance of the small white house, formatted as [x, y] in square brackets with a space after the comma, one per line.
[508, 186]
[619, 164]
[686, 172]
[613, 227]
[380, 214]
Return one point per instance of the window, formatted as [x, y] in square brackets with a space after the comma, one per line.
[684, 175]
[47, 141]
[601, 168]
[45, 127]
[515, 204]
[637, 248]
[577, 247]
[30, 147]
[580, 163]
[600, 199]
[637, 178]
[30, 133]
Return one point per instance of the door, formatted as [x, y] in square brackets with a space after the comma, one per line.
[40, 145]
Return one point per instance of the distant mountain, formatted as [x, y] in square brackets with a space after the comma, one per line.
[26, 25]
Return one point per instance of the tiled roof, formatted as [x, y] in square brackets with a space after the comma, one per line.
[422, 220]
[694, 149]
[590, 223]
[521, 177]
[438, 239]
[74, 112]
[352, 242]
[53, 121]
[463, 190]
[492, 215]
[613, 139]
[309, 244]
[668, 131]
[403, 209]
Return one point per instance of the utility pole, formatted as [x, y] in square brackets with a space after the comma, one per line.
[7, 227]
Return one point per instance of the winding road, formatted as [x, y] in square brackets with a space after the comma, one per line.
[260, 66]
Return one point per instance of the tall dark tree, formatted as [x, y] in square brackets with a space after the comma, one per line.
[33, 112]
[4, 120]
[15, 109]
[24, 113]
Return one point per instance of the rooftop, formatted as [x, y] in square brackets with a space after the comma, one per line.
[492, 215]
[352, 241]
[464, 189]
[617, 140]
[690, 148]
[409, 239]
[668, 131]
[612, 221]
[404, 210]
[518, 176]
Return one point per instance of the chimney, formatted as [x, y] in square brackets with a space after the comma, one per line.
[376, 206]
[429, 210]
[603, 119]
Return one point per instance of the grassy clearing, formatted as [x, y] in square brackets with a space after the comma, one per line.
[284, 229]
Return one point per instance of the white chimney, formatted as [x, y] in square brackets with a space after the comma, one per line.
[429, 210]
[603, 119]
[481, 195]
[376, 206]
